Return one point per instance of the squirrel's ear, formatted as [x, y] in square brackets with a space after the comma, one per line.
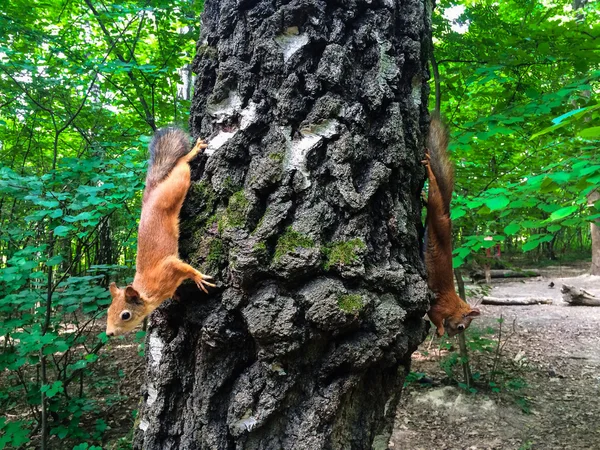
[474, 312]
[131, 295]
[114, 290]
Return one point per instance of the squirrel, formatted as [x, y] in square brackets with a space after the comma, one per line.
[448, 311]
[159, 271]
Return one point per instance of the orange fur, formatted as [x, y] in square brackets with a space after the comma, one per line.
[159, 271]
[448, 312]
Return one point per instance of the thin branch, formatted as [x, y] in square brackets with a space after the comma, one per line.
[149, 117]
[26, 92]
[508, 66]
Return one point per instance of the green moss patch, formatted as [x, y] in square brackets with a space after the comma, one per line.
[277, 156]
[260, 247]
[351, 303]
[208, 52]
[290, 241]
[204, 199]
[216, 253]
[342, 253]
[235, 214]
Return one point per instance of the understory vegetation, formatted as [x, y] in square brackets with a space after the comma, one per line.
[83, 86]
[492, 371]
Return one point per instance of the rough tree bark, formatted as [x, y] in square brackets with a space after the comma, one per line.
[306, 209]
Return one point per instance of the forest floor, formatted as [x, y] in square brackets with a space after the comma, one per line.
[541, 391]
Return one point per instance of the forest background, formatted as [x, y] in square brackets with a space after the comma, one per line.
[83, 86]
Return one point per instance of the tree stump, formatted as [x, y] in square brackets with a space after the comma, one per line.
[305, 208]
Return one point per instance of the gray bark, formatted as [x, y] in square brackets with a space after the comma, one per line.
[306, 209]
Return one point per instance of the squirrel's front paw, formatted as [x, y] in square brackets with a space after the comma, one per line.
[200, 145]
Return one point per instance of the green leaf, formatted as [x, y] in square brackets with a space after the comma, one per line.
[559, 119]
[52, 389]
[62, 230]
[457, 261]
[14, 433]
[457, 213]
[497, 202]
[512, 229]
[562, 213]
[56, 214]
[55, 261]
[472, 204]
[590, 133]
[530, 245]
[548, 130]
[548, 185]
[82, 446]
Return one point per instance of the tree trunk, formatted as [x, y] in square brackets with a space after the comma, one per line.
[593, 197]
[305, 208]
[595, 230]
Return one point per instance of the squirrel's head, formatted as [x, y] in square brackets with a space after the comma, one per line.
[126, 311]
[460, 321]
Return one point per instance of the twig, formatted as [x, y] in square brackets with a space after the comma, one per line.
[498, 350]
[464, 353]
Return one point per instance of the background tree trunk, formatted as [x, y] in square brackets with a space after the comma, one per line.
[306, 208]
[593, 197]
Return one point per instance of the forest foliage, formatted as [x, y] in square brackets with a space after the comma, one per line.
[84, 84]
[519, 86]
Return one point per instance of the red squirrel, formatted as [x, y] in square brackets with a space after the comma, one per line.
[159, 271]
[448, 311]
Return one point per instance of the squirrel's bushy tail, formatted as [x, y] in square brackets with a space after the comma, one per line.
[437, 144]
[168, 146]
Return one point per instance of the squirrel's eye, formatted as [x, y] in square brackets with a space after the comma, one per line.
[461, 327]
[125, 315]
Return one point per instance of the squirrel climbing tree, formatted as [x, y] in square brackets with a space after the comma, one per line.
[448, 312]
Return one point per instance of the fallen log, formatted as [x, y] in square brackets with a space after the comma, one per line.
[506, 273]
[515, 301]
[578, 297]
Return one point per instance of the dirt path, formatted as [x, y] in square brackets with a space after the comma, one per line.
[550, 367]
